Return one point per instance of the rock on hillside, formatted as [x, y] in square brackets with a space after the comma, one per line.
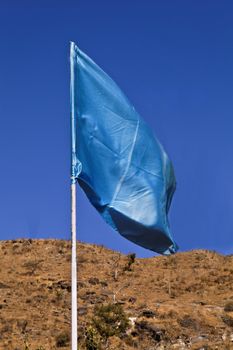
[179, 302]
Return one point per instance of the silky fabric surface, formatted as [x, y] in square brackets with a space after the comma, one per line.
[117, 161]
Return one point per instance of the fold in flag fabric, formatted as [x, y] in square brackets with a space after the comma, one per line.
[117, 161]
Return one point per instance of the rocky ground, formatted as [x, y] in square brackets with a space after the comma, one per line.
[179, 302]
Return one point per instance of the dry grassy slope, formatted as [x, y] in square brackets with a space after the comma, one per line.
[178, 302]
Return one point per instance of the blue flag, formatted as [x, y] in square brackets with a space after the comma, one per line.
[117, 161]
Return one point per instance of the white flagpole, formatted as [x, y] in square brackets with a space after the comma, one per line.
[74, 321]
[74, 316]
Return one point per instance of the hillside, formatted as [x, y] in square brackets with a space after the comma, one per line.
[179, 302]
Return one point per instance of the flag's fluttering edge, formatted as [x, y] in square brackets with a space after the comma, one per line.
[117, 161]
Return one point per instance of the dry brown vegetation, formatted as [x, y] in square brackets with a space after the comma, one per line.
[179, 302]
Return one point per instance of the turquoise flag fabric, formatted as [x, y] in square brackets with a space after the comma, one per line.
[120, 165]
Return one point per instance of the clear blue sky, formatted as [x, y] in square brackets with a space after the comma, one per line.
[174, 60]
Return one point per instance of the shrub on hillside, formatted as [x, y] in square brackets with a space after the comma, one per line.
[92, 339]
[110, 320]
[130, 261]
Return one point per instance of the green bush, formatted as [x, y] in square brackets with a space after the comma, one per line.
[110, 320]
[130, 261]
[92, 339]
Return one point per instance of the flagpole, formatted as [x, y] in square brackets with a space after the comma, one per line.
[74, 319]
[74, 315]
